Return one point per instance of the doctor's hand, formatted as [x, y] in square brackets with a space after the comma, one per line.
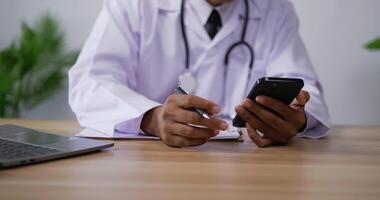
[278, 122]
[174, 123]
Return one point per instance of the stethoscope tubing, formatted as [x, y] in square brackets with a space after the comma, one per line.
[242, 42]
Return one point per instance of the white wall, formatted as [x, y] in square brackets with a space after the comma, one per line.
[334, 32]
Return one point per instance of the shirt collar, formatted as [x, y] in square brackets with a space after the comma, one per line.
[203, 10]
[175, 5]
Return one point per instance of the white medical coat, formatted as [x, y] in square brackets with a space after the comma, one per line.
[135, 53]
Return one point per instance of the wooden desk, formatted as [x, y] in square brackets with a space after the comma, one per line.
[344, 166]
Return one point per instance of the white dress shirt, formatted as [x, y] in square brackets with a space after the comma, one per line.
[202, 10]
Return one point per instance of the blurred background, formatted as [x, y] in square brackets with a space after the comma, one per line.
[335, 33]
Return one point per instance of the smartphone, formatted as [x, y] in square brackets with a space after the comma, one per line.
[283, 89]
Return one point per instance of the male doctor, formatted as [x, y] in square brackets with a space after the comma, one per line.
[139, 51]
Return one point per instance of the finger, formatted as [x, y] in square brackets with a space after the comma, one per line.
[188, 117]
[192, 132]
[257, 139]
[302, 98]
[180, 141]
[189, 101]
[275, 105]
[265, 115]
[300, 101]
[256, 123]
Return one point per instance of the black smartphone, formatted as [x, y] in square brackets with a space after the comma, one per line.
[283, 89]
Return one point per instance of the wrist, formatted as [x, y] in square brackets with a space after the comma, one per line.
[149, 123]
[303, 128]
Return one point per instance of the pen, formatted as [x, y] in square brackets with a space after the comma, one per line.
[201, 112]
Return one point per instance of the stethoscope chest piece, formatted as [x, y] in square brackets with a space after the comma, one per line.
[188, 82]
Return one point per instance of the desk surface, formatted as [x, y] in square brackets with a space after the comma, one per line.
[344, 166]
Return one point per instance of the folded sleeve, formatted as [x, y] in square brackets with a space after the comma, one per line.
[289, 58]
[102, 82]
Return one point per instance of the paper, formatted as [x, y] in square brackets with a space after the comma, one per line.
[231, 134]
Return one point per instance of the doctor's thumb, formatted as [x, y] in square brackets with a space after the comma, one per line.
[302, 98]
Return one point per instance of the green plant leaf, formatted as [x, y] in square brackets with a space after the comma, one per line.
[6, 84]
[33, 68]
[374, 45]
[41, 93]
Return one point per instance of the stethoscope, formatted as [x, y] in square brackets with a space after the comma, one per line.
[187, 80]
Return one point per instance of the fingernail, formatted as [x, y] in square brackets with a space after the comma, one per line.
[215, 109]
[238, 108]
[246, 102]
[259, 99]
[223, 126]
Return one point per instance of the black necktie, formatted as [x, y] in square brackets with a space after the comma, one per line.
[214, 24]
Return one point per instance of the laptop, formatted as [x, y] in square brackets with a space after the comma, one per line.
[22, 146]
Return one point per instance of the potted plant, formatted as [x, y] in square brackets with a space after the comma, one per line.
[34, 67]
[373, 45]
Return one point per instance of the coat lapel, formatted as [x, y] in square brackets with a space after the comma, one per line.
[233, 24]
[191, 22]
[236, 21]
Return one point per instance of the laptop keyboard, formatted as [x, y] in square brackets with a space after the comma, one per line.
[15, 151]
